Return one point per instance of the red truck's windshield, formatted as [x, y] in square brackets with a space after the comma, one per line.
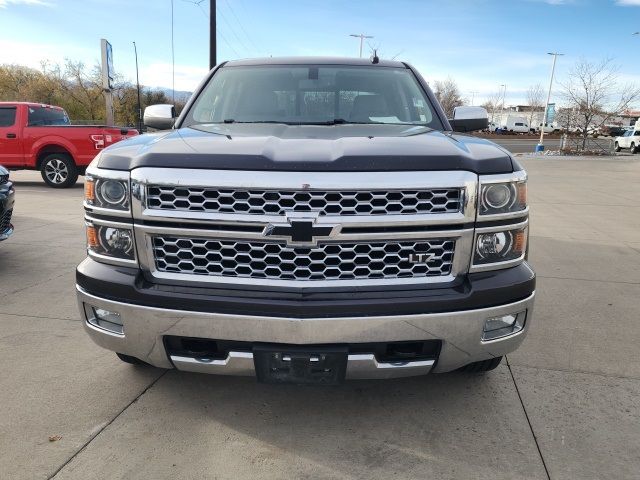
[47, 116]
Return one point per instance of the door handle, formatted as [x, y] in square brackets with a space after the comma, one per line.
[11, 135]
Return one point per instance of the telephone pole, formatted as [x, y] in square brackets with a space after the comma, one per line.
[540, 146]
[212, 34]
[361, 36]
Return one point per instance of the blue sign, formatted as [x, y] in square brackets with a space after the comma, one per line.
[551, 113]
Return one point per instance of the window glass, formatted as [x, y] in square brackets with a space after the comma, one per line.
[7, 116]
[47, 116]
[313, 94]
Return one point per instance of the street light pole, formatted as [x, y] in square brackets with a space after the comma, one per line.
[361, 36]
[473, 96]
[540, 146]
[135, 50]
[504, 94]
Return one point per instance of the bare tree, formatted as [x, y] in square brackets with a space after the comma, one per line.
[448, 94]
[593, 91]
[492, 104]
[535, 99]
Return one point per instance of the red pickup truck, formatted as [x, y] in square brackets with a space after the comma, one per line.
[34, 136]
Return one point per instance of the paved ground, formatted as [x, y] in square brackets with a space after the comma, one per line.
[566, 406]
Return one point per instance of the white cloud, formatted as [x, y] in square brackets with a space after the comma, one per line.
[40, 3]
[628, 3]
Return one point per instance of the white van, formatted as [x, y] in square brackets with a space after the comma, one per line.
[516, 124]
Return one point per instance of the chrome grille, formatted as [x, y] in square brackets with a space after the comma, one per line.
[278, 202]
[5, 220]
[277, 261]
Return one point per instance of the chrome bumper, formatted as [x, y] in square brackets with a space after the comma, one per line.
[460, 333]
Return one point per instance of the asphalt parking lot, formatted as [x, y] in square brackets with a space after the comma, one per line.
[565, 406]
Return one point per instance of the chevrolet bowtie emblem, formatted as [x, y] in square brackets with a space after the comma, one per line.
[301, 230]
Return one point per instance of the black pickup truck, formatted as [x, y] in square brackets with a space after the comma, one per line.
[308, 220]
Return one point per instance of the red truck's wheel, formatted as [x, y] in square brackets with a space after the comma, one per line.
[59, 171]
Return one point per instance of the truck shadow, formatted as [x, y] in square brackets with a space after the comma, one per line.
[363, 429]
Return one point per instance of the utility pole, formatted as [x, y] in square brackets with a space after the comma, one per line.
[212, 34]
[135, 50]
[504, 94]
[473, 96]
[540, 146]
[361, 36]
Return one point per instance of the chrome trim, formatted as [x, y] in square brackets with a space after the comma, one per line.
[358, 366]
[236, 363]
[144, 246]
[89, 209]
[324, 181]
[366, 365]
[459, 331]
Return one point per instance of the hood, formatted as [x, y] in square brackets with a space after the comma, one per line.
[308, 148]
[3, 171]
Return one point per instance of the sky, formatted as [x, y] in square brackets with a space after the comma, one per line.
[481, 44]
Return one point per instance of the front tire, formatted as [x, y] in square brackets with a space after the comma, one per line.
[633, 148]
[617, 147]
[58, 170]
[482, 366]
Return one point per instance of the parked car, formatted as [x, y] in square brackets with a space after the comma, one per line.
[308, 220]
[7, 195]
[547, 128]
[614, 130]
[40, 137]
[629, 140]
[516, 124]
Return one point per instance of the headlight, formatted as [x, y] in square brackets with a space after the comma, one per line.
[111, 193]
[503, 197]
[500, 246]
[110, 241]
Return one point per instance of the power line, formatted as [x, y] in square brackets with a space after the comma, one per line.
[218, 32]
[241, 26]
[232, 30]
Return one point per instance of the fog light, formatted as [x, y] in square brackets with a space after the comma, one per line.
[104, 319]
[503, 326]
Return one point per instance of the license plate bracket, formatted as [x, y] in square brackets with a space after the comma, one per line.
[300, 365]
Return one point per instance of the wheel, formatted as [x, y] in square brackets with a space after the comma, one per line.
[617, 147]
[633, 148]
[482, 366]
[59, 171]
[130, 359]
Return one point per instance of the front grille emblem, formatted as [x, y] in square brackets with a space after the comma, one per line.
[420, 257]
[299, 231]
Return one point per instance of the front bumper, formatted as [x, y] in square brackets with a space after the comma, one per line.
[7, 200]
[458, 330]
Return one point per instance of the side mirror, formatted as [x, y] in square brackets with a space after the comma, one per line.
[469, 119]
[160, 117]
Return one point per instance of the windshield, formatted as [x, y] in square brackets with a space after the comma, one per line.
[313, 95]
